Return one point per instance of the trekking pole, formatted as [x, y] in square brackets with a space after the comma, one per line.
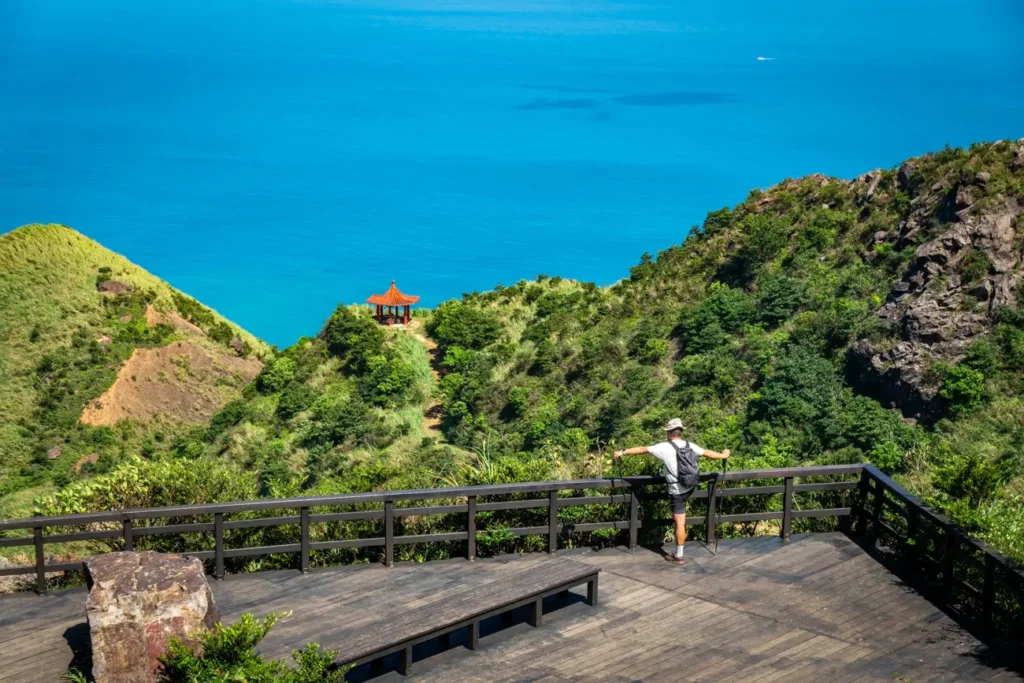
[721, 495]
[629, 509]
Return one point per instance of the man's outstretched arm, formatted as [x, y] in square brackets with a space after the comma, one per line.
[715, 455]
[639, 450]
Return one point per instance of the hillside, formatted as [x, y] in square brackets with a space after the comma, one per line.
[820, 321]
[73, 358]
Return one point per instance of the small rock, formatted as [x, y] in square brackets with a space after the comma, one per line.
[53, 453]
[125, 318]
[139, 601]
[98, 405]
[104, 340]
[237, 345]
[983, 177]
[964, 197]
[113, 287]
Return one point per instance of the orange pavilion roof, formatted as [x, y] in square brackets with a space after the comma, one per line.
[392, 297]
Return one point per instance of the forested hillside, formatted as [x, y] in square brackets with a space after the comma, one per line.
[820, 321]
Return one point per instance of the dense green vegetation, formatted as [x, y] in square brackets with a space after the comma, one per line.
[744, 330]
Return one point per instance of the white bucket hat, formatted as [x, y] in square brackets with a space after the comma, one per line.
[674, 423]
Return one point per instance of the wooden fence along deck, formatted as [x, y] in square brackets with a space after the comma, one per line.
[971, 582]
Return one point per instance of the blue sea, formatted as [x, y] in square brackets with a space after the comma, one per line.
[276, 157]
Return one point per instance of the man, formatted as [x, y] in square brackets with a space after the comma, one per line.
[680, 486]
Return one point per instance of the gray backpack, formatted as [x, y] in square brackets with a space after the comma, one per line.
[686, 465]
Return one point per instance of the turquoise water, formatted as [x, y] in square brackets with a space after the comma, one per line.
[273, 158]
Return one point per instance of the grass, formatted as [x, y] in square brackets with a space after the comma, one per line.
[48, 277]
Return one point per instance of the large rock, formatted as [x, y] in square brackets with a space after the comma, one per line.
[137, 603]
[933, 313]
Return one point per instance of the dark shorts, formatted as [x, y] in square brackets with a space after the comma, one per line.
[679, 501]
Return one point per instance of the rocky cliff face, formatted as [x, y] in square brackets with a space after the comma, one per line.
[967, 265]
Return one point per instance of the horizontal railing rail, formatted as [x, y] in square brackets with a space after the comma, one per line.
[127, 526]
[960, 573]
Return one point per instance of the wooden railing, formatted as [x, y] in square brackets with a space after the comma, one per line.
[121, 529]
[960, 573]
[956, 571]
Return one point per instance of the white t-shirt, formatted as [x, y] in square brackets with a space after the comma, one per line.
[666, 454]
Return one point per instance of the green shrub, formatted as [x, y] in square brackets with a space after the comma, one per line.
[353, 337]
[228, 656]
[457, 324]
[276, 375]
[964, 388]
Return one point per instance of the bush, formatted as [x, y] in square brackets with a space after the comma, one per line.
[455, 323]
[228, 655]
[964, 388]
[352, 337]
[777, 298]
[391, 382]
[139, 483]
[968, 477]
[276, 375]
[296, 398]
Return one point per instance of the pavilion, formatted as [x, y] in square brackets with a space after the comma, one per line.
[389, 303]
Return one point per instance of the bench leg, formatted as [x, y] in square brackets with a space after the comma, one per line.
[536, 612]
[592, 591]
[474, 636]
[405, 665]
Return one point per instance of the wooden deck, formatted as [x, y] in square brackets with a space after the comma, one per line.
[817, 608]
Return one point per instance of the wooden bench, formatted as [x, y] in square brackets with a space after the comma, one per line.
[466, 609]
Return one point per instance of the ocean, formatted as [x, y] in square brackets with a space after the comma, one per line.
[276, 157]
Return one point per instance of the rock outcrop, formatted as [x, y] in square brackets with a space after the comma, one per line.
[951, 293]
[137, 602]
[113, 287]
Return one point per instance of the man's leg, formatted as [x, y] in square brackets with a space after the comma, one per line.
[680, 520]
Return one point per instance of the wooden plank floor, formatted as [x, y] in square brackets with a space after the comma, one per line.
[817, 608]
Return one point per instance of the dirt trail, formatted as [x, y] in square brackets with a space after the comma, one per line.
[432, 413]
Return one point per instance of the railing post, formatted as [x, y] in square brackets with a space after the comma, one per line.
[218, 545]
[988, 592]
[787, 508]
[948, 558]
[471, 528]
[126, 531]
[37, 535]
[876, 513]
[304, 541]
[552, 521]
[389, 533]
[913, 550]
[634, 517]
[862, 503]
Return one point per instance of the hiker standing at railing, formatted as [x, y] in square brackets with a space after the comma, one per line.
[682, 472]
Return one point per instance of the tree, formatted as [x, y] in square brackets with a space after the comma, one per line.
[964, 388]
[457, 324]
[353, 338]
